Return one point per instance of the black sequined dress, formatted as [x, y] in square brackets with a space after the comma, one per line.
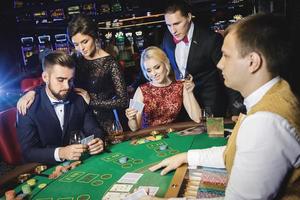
[105, 83]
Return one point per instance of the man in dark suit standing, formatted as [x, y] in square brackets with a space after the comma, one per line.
[44, 132]
[195, 50]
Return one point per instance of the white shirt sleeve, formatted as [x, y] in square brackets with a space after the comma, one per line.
[266, 150]
[211, 157]
[56, 156]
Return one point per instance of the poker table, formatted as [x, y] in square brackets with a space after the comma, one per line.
[97, 174]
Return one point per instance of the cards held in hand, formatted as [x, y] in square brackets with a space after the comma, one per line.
[136, 105]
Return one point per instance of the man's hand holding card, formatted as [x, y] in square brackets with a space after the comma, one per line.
[95, 145]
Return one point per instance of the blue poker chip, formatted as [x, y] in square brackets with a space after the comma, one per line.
[163, 147]
[123, 160]
[66, 163]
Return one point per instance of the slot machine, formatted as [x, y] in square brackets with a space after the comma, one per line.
[139, 40]
[73, 10]
[57, 14]
[40, 17]
[89, 9]
[27, 48]
[44, 42]
[61, 43]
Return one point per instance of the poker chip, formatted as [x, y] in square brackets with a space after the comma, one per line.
[158, 137]
[26, 189]
[163, 147]
[40, 168]
[20, 196]
[42, 185]
[31, 182]
[66, 163]
[123, 160]
[75, 164]
[23, 177]
[10, 195]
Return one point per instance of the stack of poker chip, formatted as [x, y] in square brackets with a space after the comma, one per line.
[10, 195]
[31, 182]
[206, 183]
[26, 189]
[123, 160]
[163, 147]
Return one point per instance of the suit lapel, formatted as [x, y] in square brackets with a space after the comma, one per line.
[195, 42]
[67, 118]
[48, 106]
[170, 50]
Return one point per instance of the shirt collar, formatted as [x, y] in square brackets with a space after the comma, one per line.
[190, 33]
[256, 96]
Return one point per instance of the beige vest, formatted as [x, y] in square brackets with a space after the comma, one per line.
[279, 100]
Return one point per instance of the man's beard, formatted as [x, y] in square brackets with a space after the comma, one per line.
[59, 96]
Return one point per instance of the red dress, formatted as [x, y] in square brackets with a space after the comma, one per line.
[162, 104]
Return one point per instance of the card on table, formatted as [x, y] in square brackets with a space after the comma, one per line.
[114, 196]
[192, 131]
[150, 190]
[131, 178]
[121, 188]
[136, 195]
[87, 139]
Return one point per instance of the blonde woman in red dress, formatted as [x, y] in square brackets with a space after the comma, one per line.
[162, 96]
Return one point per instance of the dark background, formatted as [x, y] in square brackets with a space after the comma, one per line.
[11, 59]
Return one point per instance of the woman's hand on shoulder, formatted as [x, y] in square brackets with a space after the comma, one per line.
[85, 95]
[25, 102]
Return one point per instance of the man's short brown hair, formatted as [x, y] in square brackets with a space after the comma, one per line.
[58, 58]
[266, 34]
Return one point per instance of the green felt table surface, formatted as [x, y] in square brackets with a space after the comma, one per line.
[96, 175]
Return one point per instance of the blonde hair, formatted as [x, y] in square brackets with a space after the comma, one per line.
[156, 53]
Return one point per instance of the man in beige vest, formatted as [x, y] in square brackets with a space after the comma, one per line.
[262, 156]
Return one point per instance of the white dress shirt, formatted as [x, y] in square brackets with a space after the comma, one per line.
[266, 148]
[182, 51]
[60, 112]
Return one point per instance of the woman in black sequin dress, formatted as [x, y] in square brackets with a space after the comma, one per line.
[97, 72]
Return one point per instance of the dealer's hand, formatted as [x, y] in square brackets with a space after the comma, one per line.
[170, 163]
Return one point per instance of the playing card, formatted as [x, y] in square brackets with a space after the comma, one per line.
[114, 196]
[131, 178]
[87, 139]
[150, 190]
[136, 195]
[121, 188]
[131, 103]
[138, 106]
[192, 131]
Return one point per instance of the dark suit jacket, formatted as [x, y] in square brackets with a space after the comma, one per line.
[204, 55]
[39, 131]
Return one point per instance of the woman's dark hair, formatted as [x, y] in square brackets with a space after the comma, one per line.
[82, 24]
